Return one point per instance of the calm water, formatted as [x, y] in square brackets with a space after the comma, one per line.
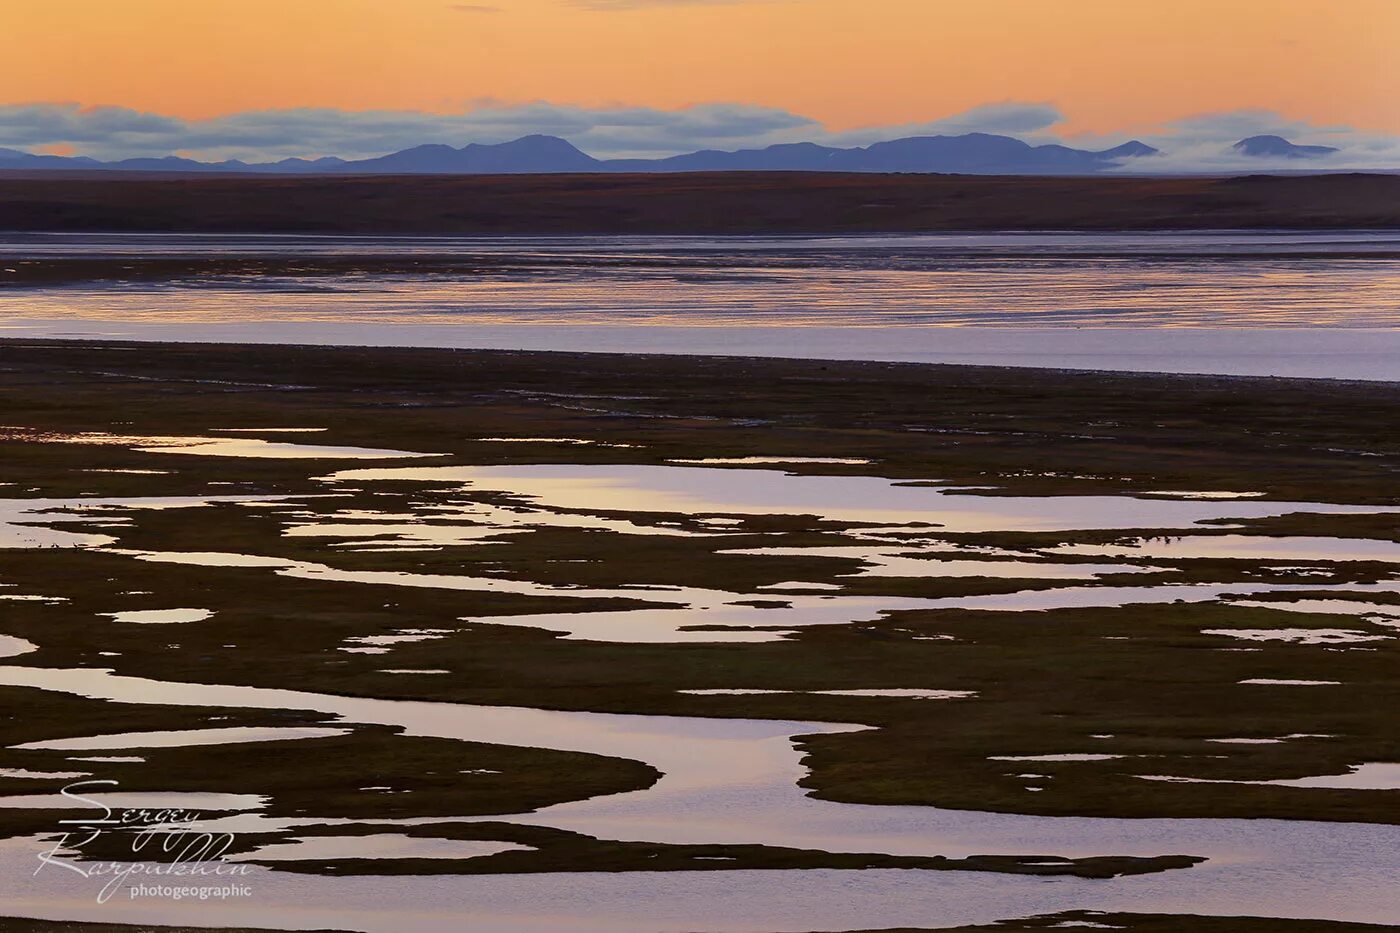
[726, 780]
[1319, 305]
[1310, 305]
[1250, 280]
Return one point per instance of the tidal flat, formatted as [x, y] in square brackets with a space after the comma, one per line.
[856, 644]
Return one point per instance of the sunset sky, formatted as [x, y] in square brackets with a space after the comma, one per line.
[667, 75]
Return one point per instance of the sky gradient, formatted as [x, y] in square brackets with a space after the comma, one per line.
[1110, 69]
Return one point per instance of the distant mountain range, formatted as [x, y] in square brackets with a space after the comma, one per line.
[1277, 146]
[972, 153]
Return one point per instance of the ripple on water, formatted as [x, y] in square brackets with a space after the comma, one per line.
[376, 846]
[735, 781]
[26, 523]
[1245, 547]
[1069, 756]
[250, 447]
[911, 560]
[910, 693]
[10, 646]
[1370, 776]
[135, 800]
[768, 461]
[860, 499]
[1299, 636]
[1271, 682]
[1381, 611]
[184, 738]
[267, 430]
[160, 616]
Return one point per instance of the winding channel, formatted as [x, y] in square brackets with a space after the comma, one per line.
[729, 780]
[734, 781]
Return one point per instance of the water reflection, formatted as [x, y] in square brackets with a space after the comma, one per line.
[1059, 280]
[729, 781]
[859, 499]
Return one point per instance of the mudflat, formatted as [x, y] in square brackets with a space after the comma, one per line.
[980, 590]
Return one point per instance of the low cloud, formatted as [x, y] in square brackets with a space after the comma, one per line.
[1008, 118]
[1205, 143]
[1200, 142]
[1237, 124]
[260, 135]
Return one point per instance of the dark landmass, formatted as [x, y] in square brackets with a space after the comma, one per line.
[1041, 688]
[1084, 919]
[1277, 146]
[546, 850]
[976, 153]
[24, 266]
[1074, 680]
[1157, 923]
[712, 203]
[971, 153]
[980, 153]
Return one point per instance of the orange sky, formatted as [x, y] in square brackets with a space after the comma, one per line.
[1109, 64]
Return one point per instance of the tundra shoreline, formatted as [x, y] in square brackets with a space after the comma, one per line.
[688, 203]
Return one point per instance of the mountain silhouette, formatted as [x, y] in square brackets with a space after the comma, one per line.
[790, 157]
[1278, 147]
[326, 164]
[1129, 150]
[969, 153]
[527, 155]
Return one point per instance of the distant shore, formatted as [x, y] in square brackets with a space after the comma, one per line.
[1338, 356]
[700, 203]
